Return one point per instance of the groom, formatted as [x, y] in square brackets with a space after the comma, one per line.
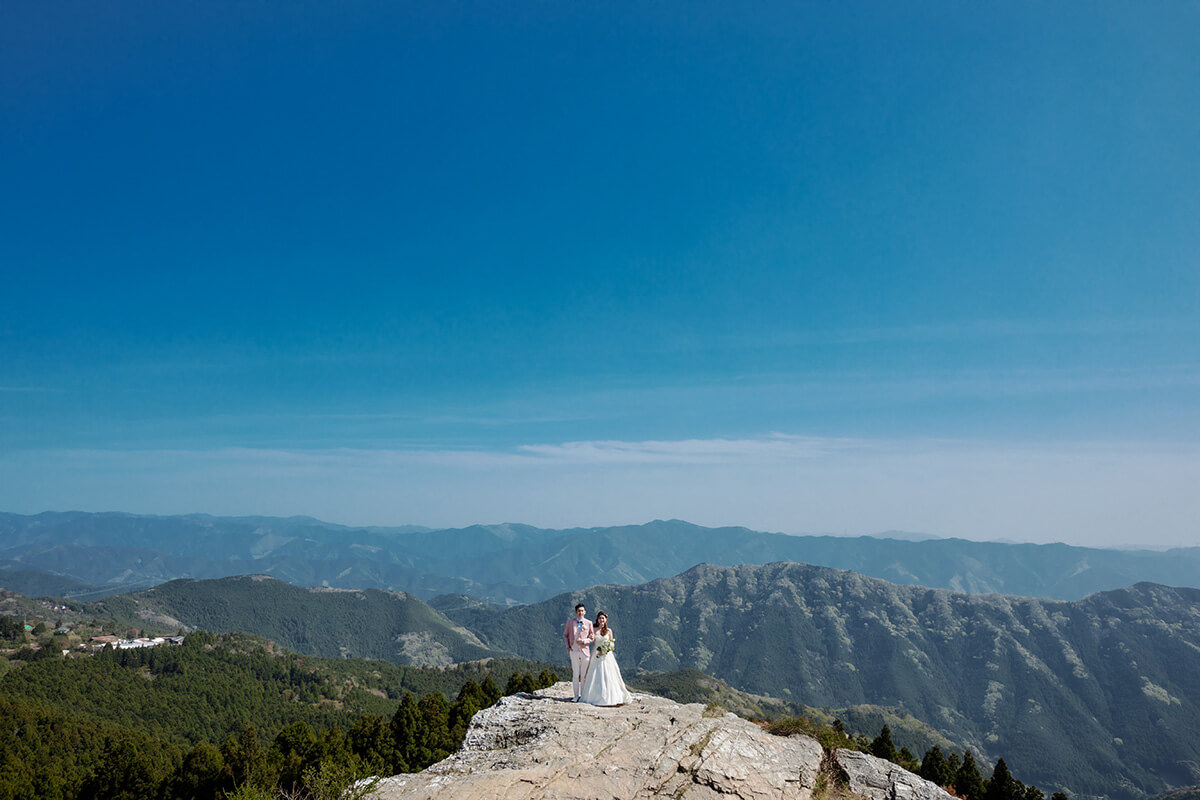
[579, 634]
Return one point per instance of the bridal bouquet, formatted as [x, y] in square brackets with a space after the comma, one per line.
[605, 647]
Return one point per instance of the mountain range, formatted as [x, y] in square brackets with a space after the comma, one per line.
[509, 564]
[1099, 696]
[1106, 688]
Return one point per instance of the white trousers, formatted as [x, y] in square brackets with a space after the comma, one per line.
[579, 667]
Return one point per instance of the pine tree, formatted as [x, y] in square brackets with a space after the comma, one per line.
[968, 782]
[1003, 786]
[491, 692]
[883, 747]
[292, 751]
[408, 733]
[332, 749]
[201, 775]
[953, 762]
[12, 628]
[244, 758]
[933, 767]
[520, 682]
[372, 741]
[470, 699]
[125, 771]
[434, 713]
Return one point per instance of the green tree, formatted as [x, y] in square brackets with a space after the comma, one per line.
[292, 752]
[520, 682]
[434, 713]
[245, 761]
[1002, 785]
[470, 699]
[491, 692]
[883, 747]
[953, 762]
[126, 772]
[968, 782]
[200, 639]
[201, 776]
[372, 741]
[331, 780]
[408, 733]
[934, 767]
[248, 791]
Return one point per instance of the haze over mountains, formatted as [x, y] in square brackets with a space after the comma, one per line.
[509, 564]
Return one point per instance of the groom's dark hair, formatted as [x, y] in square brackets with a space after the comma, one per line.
[579, 606]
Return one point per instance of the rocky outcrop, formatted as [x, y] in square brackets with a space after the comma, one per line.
[880, 779]
[542, 746]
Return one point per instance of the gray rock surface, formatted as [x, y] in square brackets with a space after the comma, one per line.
[542, 746]
[880, 779]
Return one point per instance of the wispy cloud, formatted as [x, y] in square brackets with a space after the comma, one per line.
[775, 447]
[1010, 329]
[480, 419]
[977, 330]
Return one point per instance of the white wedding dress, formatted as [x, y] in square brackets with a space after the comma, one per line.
[603, 685]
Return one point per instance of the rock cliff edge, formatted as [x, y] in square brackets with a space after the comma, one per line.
[541, 745]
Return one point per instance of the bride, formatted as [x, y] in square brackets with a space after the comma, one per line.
[603, 685]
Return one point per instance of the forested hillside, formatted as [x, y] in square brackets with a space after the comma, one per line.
[222, 712]
[394, 626]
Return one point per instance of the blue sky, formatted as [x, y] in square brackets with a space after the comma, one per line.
[803, 267]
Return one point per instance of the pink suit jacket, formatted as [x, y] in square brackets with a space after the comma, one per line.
[586, 634]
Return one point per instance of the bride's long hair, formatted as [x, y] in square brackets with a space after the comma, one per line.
[603, 630]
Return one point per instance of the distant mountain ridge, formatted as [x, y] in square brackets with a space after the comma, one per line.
[33, 583]
[514, 563]
[1102, 693]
